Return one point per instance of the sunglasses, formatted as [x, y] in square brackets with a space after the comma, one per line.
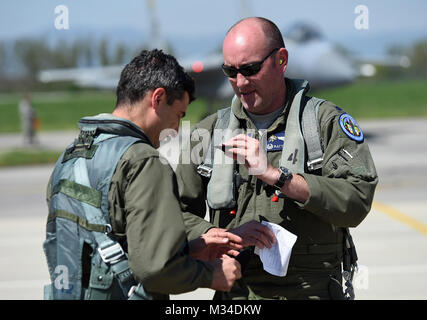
[247, 69]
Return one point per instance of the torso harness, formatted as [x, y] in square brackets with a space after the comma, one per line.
[85, 261]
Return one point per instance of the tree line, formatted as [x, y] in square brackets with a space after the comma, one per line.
[21, 61]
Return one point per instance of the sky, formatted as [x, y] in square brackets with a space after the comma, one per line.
[390, 21]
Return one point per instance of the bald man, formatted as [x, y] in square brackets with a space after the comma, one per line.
[317, 201]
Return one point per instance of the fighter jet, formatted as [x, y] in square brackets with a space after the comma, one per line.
[311, 57]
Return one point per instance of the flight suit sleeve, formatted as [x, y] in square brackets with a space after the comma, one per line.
[155, 231]
[192, 194]
[192, 186]
[344, 193]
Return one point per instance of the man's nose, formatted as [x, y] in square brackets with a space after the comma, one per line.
[241, 80]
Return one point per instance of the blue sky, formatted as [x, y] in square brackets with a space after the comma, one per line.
[389, 20]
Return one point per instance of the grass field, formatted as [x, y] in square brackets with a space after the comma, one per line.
[381, 99]
[22, 157]
[363, 99]
[62, 110]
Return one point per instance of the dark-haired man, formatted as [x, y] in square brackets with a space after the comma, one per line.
[317, 200]
[113, 204]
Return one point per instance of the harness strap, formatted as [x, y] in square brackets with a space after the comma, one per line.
[79, 220]
[310, 129]
[221, 187]
[78, 191]
[293, 152]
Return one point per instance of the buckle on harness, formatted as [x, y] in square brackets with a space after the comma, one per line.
[204, 171]
[348, 277]
[137, 292]
[85, 139]
[111, 253]
[315, 164]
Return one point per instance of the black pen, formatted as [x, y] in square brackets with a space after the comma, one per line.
[223, 147]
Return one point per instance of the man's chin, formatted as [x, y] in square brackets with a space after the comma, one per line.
[250, 104]
[251, 107]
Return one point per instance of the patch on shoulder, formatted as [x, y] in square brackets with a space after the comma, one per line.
[350, 127]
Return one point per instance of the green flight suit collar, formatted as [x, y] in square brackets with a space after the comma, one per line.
[291, 90]
[108, 123]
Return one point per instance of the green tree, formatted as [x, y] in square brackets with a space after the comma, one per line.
[103, 53]
[2, 58]
[33, 54]
[419, 58]
[120, 54]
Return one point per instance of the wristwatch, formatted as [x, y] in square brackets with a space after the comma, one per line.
[285, 175]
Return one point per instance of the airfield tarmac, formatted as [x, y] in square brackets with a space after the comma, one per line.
[391, 242]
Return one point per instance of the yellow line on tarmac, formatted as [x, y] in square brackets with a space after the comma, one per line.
[415, 224]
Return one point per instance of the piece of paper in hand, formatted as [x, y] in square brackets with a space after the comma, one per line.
[276, 259]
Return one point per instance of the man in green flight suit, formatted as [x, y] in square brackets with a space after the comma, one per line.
[315, 203]
[142, 206]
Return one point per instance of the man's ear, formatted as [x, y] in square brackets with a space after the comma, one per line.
[158, 96]
[283, 58]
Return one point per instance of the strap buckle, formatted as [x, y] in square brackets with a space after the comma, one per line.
[112, 252]
[315, 164]
[137, 292]
[85, 139]
[348, 277]
[204, 171]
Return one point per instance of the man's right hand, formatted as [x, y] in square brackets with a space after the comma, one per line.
[254, 233]
[226, 271]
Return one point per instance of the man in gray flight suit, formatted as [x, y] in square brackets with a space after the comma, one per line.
[316, 203]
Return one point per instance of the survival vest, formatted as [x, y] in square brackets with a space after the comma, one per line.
[84, 259]
[302, 137]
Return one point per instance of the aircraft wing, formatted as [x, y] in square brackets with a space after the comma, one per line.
[97, 77]
[311, 57]
[367, 65]
[210, 81]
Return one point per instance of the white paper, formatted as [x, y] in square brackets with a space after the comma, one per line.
[276, 259]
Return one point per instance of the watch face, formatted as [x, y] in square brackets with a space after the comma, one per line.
[285, 173]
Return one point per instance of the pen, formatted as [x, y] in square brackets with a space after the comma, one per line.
[223, 147]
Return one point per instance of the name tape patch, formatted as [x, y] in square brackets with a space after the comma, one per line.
[275, 141]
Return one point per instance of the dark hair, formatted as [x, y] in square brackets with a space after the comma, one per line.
[271, 31]
[150, 70]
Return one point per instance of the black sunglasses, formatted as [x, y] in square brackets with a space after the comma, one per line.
[247, 69]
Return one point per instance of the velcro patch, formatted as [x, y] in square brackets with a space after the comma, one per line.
[275, 142]
[350, 127]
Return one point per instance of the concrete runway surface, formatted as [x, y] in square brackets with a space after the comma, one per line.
[391, 242]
